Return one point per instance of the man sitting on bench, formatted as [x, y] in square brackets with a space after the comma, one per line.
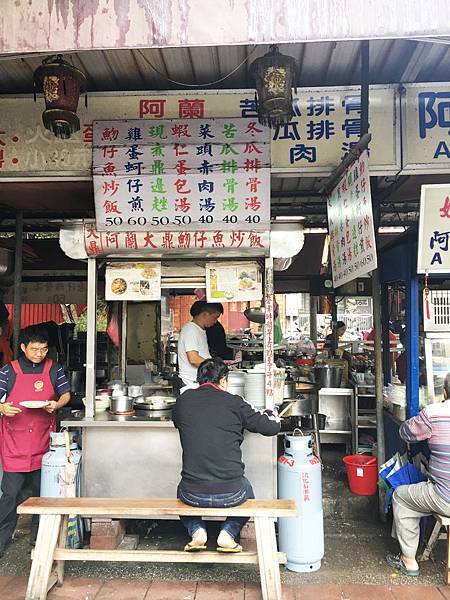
[412, 502]
[211, 425]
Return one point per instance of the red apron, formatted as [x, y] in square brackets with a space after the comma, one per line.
[25, 438]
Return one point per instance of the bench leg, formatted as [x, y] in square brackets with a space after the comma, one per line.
[447, 568]
[269, 568]
[62, 541]
[41, 566]
[431, 542]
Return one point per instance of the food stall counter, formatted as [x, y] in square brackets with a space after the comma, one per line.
[139, 456]
[106, 419]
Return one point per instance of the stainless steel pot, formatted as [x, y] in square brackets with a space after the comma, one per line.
[289, 390]
[160, 402]
[328, 376]
[307, 404]
[121, 404]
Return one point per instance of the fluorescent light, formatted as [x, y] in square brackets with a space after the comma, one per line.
[316, 230]
[287, 218]
[392, 229]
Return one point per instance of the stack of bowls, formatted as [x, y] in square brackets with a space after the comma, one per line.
[236, 383]
[255, 388]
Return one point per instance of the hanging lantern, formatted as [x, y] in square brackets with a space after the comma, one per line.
[274, 76]
[61, 84]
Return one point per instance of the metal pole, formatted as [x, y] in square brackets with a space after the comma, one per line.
[313, 318]
[123, 342]
[364, 87]
[18, 266]
[91, 337]
[376, 295]
[386, 342]
[334, 334]
[412, 343]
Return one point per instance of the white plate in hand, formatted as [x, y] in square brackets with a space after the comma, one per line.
[33, 403]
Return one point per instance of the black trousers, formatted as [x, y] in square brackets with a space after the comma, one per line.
[12, 485]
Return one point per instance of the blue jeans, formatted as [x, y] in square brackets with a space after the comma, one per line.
[231, 525]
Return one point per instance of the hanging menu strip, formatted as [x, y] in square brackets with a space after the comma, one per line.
[171, 174]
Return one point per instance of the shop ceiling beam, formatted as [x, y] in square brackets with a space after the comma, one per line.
[40, 26]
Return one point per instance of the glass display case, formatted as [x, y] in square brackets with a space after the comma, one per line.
[437, 364]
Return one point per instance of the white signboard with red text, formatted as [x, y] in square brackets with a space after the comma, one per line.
[434, 229]
[181, 174]
[158, 243]
[350, 223]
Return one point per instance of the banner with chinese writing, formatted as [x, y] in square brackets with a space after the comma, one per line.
[233, 282]
[426, 127]
[326, 124]
[158, 243]
[189, 174]
[133, 281]
[434, 229]
[350, 224]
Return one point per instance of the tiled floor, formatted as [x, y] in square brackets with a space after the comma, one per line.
[13, 588]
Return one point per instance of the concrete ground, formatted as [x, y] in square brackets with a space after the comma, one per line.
[355, 546]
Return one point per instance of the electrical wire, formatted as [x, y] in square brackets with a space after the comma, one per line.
[197, 85]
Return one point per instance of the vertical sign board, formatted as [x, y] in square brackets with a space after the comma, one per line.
[434, 229]
[268, 333]
[181, 174]
[350, 224]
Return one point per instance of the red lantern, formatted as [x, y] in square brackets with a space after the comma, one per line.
[61, 84]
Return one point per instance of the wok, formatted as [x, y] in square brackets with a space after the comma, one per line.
[255, 315]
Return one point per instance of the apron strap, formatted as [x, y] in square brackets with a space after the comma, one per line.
[48, 365]
[16, 367]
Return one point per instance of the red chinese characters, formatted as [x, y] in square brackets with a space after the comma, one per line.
[153, 108]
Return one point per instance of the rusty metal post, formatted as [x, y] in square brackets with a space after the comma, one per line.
[18, 268]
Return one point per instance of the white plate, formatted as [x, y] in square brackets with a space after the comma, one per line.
[33, 403]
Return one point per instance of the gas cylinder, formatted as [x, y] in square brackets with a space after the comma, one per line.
[53, 483]
[300, 479]
[59, 482]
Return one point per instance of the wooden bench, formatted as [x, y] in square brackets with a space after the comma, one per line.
[52, 536]
[433, 538]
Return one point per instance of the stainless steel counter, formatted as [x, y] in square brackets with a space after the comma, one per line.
[161, 418]
[140, 456]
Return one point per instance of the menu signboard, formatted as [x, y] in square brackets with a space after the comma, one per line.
[350, 223]
[133, 281]
[233, 282]
[172, 174]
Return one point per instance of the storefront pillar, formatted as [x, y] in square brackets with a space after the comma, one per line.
[91, 337]
[412, 346]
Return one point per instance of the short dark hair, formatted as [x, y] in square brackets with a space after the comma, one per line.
[33, 333]
[212, 370]
[201, 306]
[340, 324]
[218, 306]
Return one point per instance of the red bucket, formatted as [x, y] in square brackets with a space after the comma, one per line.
[362, 473]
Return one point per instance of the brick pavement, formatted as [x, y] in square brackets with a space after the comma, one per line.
[95, 588]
